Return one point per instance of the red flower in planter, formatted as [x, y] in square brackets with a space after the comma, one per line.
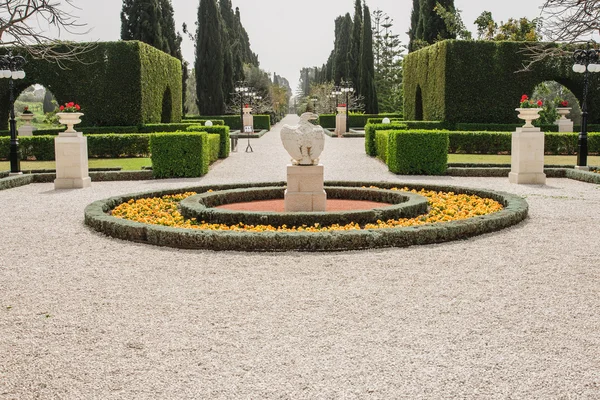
[70, 107]
[564, 103]
[540, 103]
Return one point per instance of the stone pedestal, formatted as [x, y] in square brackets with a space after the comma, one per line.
[564, 124]
[71, 161]
[305, 190]
[26, 129]
[340, 121]
[527, 158]
[248, 121]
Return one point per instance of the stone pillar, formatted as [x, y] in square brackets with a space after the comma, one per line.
[71, 161]
[305, 189]
[527, 157]
[248, 121]
[340, 121]
[564, 124]
[26, 129]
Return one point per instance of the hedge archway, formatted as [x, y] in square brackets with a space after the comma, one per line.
[116, 84]
[478, 81]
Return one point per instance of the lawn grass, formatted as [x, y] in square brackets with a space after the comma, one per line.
[127, 164]
[505, 159]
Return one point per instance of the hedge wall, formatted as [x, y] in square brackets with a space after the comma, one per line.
[233, 121]
[179, 154]
[222, 131]
[417, 152]
[477, 81]
[381, 145]
[118, 83]
[370, 135]
[327, 121]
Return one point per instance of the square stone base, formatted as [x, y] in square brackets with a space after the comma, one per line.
[71, 162]
[340, 124]
[565, 125]
[305, 201]
[582, 168]
[527, 157]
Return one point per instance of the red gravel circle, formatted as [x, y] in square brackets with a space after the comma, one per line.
[277, 205]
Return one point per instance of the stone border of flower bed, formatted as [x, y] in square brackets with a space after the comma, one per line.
[515, 210]
[202, 207]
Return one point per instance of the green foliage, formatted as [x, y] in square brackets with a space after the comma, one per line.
[342, 47]
[210, 59]
[371, 132]
[415, 17]
[222, 131]
[387, 49]
[117, 145]
[479, 142]
[357, 46]
[179, 154]
[118, 83]
[234, 121]
[213, 147]
[475, 82]
[327, 121]
[418, 152]
[381, 144]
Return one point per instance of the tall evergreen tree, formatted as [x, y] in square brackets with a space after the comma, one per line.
[141, 20]
[367, 66]
[209, 64]
[433, 26]
[341, 66]
[415, 19]
[355, 51]
[248, 56]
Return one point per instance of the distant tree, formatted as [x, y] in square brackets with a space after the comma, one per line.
[247, 55]
[191, 99]
[356, 46]
[570, 21]
[341, 66]
[453, 21]
[49, 103]
[486, 27]
[415, 18]
[427, 27]
[142, 20]
[209, 63]
[367, 68]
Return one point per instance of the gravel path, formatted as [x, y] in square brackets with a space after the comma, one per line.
[509, 315]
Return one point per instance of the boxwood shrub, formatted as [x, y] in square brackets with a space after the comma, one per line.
[118, 145]
[355, 120]
[213, 147]
[381, 144]
[413, 152]
[234, 122]
[179, 154]
[222, 131]
[370, 129]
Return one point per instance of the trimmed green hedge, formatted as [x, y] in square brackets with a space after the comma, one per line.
[327, 121]
[418, 152]
[203, 121]
[117, 145]
[125, 83]
[179, 154]
[234, 122]
[381, 145]
[222, 131]
[380, 120]
[370, 129]
[477, 81]
[214, 141]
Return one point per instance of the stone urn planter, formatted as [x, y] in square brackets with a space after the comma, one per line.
[528, 114]
[563, 112]
[27, 118]
[69, 119]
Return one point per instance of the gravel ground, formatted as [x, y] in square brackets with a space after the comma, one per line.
[509, 315]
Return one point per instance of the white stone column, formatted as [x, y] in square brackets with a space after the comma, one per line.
[527, 157]
[248, 121]
[71, 161]
[340, 121]
[564, 123]
[305, 189]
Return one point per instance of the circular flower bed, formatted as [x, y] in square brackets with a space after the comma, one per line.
[454, 213]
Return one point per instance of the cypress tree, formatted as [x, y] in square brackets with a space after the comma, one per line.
[414, 23]
[48, 105]
[209, 64]
[247, 55]
[355, 51]
[141, 20]
[341, 68]
[432, 25]
[367, 66]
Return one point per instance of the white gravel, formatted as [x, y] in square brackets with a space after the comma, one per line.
[509, 315]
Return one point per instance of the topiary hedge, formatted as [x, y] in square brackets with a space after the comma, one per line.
[370, 132]
[214, 141]
[179, 154]
[418, 152]
[381, 145]
[222, 131]
[482, 81]
[125, 83]
[234, 122]
[327, 121]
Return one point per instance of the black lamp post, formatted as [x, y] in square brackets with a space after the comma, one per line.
[242, 89]
[314, 100]
[347, 88]
[10, 67]
[585, 62]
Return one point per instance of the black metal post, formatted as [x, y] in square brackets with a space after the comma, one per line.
[584, 58]
[347, 113]
[15, 160]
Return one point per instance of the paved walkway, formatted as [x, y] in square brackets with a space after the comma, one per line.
[513, 314]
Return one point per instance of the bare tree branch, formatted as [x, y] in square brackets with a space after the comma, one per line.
[27, 23]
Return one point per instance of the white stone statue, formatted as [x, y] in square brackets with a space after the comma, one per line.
[305, 141]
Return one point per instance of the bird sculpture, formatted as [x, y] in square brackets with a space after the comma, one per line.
[305, 141]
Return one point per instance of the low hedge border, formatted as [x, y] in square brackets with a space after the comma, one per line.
[9, 182]
[515, 210]
[203, 207]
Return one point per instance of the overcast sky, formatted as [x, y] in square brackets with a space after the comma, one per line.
[290, 34]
